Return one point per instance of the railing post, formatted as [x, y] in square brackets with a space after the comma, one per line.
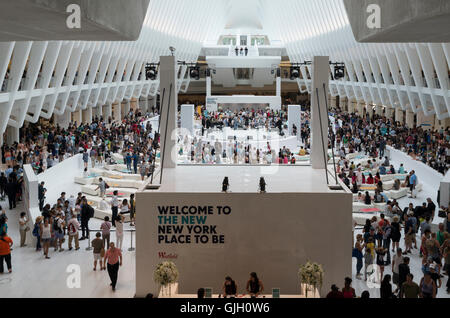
[131, 248]
[89, 241]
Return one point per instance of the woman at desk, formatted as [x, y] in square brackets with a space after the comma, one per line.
[229, 288]
[254, 286]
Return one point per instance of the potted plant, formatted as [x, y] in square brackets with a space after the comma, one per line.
[165, 274]
[311, 275]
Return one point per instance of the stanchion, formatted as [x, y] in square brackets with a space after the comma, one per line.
[131, 248]
[89, 241]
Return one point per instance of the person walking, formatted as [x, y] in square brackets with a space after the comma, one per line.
[37, 232]
[113, 259]
[98, 248]
[132, 209]
[5, 252]
[41, 195]
[115, 207]
[11, 191]
[87, 212]
[106, 231]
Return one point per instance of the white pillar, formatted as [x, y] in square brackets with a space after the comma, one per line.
[390, 112]
[426, 122]
[87, 115]
[187, 118]
[379, 110]
[399, 115]
[12, 135]
[77, 117]
[409, 119]
[63, 120]
[125, 108]
[369, 110]
[168, 82]
[319, 129]
[294, 118]
[208, 86]
[117, 112]
[278, 83]
[360, 108]
[107, 111]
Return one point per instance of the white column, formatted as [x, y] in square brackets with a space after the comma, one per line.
[294, 118]
[63, 120]
[187, 118]
[390, 112]
[117, 112]
[107, 111]
[77, 117]
[12, 135]
[369, 110]
[319, 146]
[360, 108]
[87, 115]
[426, 122]
[168, 110]
[278, 83]
[409, 119]
[125, 106]
[98, 111]
[399, 115]
[208, 86]
[379, 110]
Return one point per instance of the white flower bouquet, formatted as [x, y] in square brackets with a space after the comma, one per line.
[311, 274]
[166, 273]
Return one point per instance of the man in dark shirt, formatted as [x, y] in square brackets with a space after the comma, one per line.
[431, 208]
[403, 270]
[41, 195]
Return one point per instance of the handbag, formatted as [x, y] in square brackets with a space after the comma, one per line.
[102, 252]
[442, 214]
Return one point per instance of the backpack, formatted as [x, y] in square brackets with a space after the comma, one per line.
[36, 230]
[90, 211]
[107, 186]
[56, 226]
[72, 229]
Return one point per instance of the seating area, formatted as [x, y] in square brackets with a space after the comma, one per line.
[117, 177]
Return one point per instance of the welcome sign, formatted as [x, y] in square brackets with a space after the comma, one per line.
[213, 235]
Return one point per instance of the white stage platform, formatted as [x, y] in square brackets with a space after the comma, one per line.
[244, 179]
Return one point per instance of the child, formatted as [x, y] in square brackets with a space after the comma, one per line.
[98, 247]
[368, 260]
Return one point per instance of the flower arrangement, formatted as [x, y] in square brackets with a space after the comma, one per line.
[311, 274]
[166, 273]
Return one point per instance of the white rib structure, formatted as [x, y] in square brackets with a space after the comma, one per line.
[67, 76]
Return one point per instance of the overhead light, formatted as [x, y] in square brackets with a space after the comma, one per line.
[339, 71]
[151, 71]
[295, 72]
[194, 72]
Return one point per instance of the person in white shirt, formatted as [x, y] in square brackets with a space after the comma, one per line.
[23, 228]
[119, 231]
[114, 207]
[72, 229]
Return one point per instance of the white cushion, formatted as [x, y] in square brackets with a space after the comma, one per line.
[85, 181]
[90, 189]
[398, 194]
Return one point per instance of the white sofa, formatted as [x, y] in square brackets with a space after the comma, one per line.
[85, 181]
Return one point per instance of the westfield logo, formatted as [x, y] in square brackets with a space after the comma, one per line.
[164, 255]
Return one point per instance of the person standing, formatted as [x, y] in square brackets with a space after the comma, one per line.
[86, 214]
[98, 247]
[85, 159]
[413, 184]
[46, 236]
[5, 252]
[113, 259]
[132, 209]
[119, 231]
[41, 195]
[23, 228]
[11, 191]
[72, 228]
[115, 207]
